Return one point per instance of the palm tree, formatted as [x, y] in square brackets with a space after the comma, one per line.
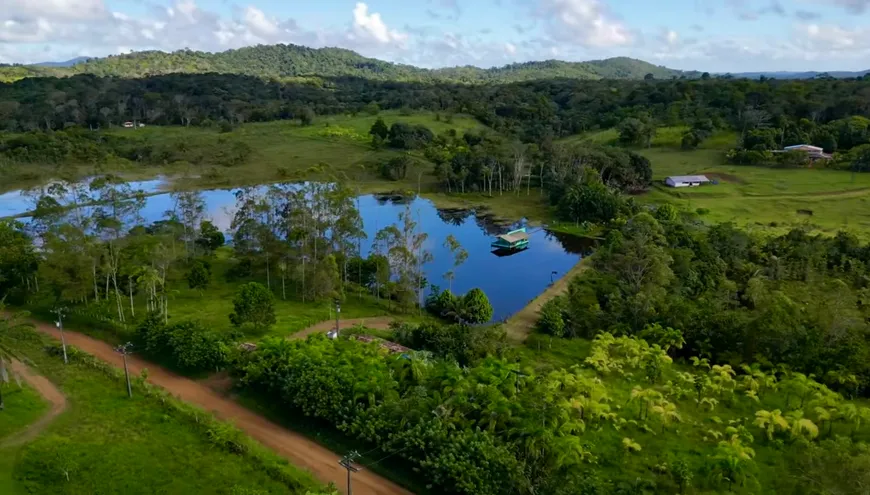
[854, 415]
[667, 413]
[733, 459]
[644, 396]
[802, 427]
[770, 422]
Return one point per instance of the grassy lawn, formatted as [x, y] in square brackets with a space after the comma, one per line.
[759, 198]
[111, 444]
[23, 406]
[765, 197]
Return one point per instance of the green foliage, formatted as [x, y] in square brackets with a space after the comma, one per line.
[395, 168]
[475, 307]
[638, 132]
[660, 280]
[470, 309]
[551, 317]
[460, 343]
[199, 275]
[187, 346]
[589, 202]
[18, 259]
[379, 130]
[408, 136]
[253, 305]
[210, 237]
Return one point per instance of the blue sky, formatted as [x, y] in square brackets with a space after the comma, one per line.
[711, 35]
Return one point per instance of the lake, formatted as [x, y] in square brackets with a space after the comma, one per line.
[509, 281]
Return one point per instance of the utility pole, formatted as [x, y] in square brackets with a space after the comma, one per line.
[347, 463]
[59, 324]
[337, 316]
[124, 349]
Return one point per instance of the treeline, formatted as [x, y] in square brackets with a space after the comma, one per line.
[531, 111]
[796, 299]
[79, 146]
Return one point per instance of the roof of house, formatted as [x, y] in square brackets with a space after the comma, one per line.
[689, 178]
[800, 146]
[514, 237]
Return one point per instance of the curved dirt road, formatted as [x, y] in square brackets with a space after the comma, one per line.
[376, 322]
[46, 389]
[297, 449]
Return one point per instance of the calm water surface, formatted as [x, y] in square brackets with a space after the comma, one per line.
[509, 281]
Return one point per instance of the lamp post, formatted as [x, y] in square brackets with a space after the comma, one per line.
[124, 349]
[59, 324]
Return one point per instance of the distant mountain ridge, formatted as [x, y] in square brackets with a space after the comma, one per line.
[295, 61]
[288, 61]
[65, 63]
[802, 75]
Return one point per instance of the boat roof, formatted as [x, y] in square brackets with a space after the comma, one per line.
[514, 237]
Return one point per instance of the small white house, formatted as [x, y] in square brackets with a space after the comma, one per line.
[804, 147]
[686, 180]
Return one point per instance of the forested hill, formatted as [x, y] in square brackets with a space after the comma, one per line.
[285, 61]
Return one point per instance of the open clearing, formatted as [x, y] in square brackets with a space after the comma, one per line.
[758, 198]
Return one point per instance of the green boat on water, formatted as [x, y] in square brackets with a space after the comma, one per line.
[514, 240]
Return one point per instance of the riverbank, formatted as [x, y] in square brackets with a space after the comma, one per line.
[522, 323]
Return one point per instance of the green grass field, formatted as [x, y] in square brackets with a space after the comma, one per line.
[759, 198]
[108, 443]
[763, 198]
[23, 406]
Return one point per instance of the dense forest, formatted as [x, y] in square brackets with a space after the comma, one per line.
[797, 299]
[291, 61]
[791, 111]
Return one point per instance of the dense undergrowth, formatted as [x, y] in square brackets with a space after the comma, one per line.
[626, 418]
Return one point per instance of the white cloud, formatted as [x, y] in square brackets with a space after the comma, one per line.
[830, 39]
[54, 9]
[371, 27]
[585, 22]
[510, 48]
[257, 21]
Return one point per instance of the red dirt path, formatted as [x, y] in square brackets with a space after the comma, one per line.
[299, 450]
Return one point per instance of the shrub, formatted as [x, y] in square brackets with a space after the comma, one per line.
[210, 237]
[253, 305]
[551, 318]
[198, 276]
[475, 307]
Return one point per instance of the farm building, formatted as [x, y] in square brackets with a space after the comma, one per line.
[686, 180]
[813, 152]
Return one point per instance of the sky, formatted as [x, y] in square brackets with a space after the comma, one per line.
[707, 35]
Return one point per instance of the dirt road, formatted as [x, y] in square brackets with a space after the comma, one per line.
[377, 323]
[51, 393]
[523, 321]
[299, 450]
